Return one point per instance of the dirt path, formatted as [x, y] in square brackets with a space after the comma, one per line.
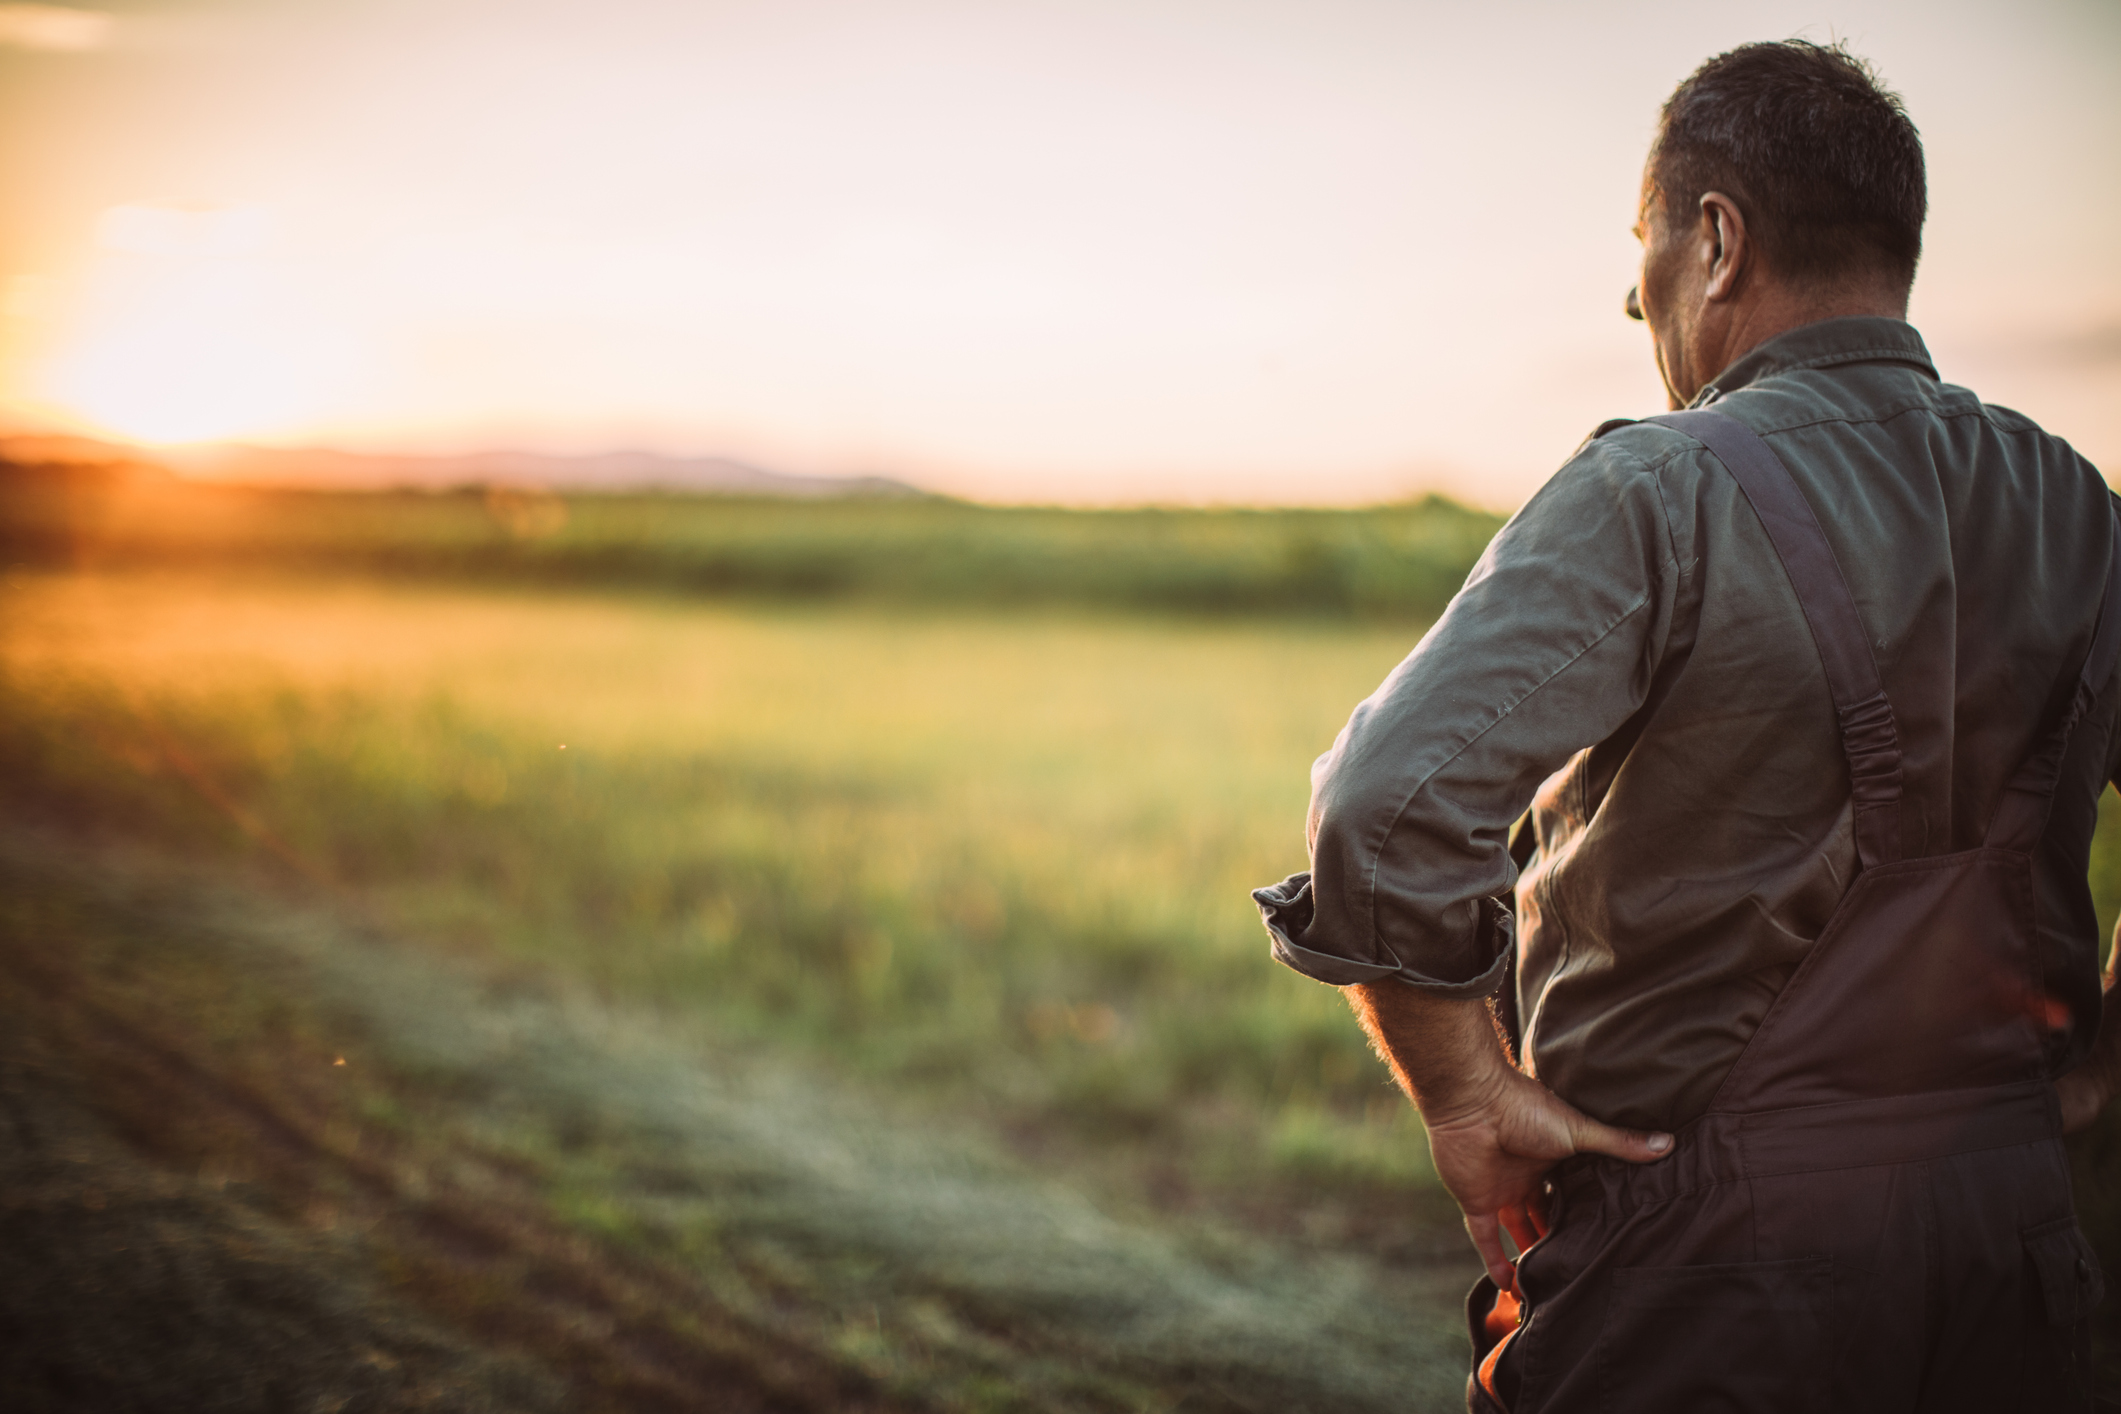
[508, 1196]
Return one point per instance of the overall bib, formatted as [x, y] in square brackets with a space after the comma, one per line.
[1874, 1213]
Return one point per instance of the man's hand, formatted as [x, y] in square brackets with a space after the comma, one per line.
[1494, 1157]
[1493, 1130]
[2083, 1092]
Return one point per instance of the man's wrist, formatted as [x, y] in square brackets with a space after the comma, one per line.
[1479, 1094]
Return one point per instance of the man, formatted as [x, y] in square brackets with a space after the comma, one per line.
[1807, 694]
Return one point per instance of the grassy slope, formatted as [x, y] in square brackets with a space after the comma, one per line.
[356, 1176]
[992, 867]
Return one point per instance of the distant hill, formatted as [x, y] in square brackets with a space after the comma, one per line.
[57, 449]
[322, 467]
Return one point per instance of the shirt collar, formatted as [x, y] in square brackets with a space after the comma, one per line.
[1859, 339]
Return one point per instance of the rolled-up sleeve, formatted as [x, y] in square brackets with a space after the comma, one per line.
[1549, 648]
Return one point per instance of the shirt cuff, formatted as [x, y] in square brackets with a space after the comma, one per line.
[1287, 909]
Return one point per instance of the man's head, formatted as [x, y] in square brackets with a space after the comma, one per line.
[1785, 185]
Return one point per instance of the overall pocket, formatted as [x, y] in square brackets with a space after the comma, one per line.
[2071, 1283]
[2055, 1367]
[1748, 1338]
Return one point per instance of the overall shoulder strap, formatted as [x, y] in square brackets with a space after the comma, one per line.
[2022, 817]
[1870, 737]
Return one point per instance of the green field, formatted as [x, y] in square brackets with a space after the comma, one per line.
[1007, 856]
[579, 996]
[988, 872]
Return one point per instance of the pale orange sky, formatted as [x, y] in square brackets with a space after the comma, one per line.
[1313, 251]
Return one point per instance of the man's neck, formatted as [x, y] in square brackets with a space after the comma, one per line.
[1770, 310]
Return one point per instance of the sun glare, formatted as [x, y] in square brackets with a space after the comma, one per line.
[182, 330]
[167, 378]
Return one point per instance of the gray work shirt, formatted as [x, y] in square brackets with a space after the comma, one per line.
[1628, 660]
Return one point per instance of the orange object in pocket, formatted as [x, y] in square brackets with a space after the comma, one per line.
[1504, 1314]
[1502, 1322]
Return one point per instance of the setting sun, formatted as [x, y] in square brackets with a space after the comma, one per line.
[180, 329]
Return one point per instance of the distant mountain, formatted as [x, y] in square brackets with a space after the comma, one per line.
[322, 467]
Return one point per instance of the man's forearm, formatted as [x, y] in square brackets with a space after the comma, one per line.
[2102, 1067]
[1448, 1055]
[2105, 1058]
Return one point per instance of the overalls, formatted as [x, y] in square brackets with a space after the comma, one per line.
[1874, 1213]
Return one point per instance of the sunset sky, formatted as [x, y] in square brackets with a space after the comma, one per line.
[1053, 250]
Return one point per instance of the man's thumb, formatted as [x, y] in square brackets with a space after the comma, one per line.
[1637, 1146]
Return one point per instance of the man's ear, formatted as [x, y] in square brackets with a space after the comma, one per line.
[1726, 245]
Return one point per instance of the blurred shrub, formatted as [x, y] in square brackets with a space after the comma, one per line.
[1386, 562]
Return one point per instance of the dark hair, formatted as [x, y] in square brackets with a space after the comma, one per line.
[1820, 157]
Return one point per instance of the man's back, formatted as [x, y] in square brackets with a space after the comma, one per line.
[1688, 860]
[1683, 872]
